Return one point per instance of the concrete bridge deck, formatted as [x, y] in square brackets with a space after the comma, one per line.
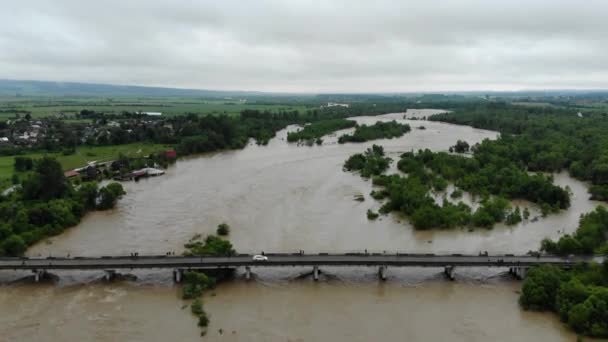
[285, 259]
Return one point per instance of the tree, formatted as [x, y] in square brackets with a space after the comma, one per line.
[540, 288]
[223, 229]
[460, 147]
[109, 195]
[14, 245]
[23, 164]
[87, 194]
[47, 182]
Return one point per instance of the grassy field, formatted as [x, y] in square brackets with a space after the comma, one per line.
[84, 155]
[40, 107]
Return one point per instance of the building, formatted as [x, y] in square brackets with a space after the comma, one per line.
[71, 173]
[170, 154]
[334, 104]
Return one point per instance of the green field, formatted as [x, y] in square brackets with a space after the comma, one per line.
[40, 107]
[84, 155]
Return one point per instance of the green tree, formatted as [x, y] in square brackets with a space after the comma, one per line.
[540, 288]
[47, 182]
[223, 229]
[14, 245]
[109, 195]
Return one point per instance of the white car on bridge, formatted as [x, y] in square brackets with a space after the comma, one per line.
[259, 257]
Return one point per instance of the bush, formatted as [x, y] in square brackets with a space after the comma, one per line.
[371, 215]
[457, 193]
[109, 195]
[371, 163]
[514, 217]
[203, 320]
[197, 307]
[223, 229]
[212, 245]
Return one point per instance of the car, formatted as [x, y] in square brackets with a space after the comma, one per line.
[259, 257]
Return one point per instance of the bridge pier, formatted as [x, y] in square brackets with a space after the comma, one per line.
[382, 272]
[315, 273]
[519, 272]
[39, 275]
[178, 273]
[247, 272]
[109, 275]
[449, 272]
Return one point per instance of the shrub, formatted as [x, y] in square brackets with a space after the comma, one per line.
[223, 229]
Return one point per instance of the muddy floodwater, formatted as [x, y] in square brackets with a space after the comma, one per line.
[283, 198]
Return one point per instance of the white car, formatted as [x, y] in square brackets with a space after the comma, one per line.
[259, 257]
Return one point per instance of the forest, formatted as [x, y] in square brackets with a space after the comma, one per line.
[544, 139]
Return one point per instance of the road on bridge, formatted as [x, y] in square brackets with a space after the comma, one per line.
[322, 259]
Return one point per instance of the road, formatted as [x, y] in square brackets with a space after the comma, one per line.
[351, 259]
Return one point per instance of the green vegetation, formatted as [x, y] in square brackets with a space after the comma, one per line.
[544, 139]
[195, 282]
[370, 163]
[486, 173]
[579, 296]
[372, 215]
[379, 130]
[169, 106]
[317, 130]
[457, 193]
[460, 147]
[494, 179]
[210, 246]
[590, 237]
[46, 204]
[223, 229]
[514, 217]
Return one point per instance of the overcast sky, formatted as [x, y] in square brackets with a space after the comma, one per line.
[309, 46]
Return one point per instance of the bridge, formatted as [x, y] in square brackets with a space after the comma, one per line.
[518, 265]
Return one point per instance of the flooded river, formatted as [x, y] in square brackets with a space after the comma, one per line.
[284, 197]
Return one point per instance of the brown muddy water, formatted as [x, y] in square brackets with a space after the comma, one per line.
[284, 197]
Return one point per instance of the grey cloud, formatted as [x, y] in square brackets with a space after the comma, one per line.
[312, 46]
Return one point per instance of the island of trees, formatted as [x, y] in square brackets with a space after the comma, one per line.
[379, 130]
[316, 130]
[494, 180]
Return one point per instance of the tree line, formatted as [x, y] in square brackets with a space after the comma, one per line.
[379, 130]
[316, 130]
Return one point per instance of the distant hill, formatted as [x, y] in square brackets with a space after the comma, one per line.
[47, 88]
